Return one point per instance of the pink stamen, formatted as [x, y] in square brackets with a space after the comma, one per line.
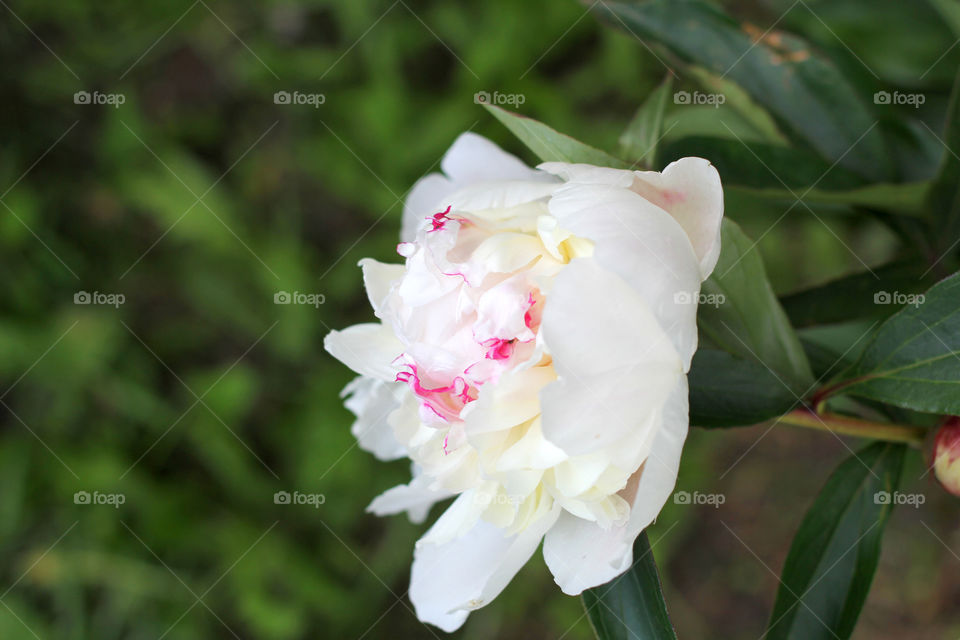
[438, 220]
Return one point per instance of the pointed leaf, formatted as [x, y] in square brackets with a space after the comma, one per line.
[913, 359]
[551, 145]
[804, 91]
[834, 555]
[631, 607]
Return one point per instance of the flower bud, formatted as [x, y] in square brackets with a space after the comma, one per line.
[946, 455]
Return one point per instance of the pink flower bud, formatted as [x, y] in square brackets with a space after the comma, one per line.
[946, 455]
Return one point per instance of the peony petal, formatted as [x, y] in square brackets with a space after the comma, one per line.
[424, 199]
[369, 349]
[472, 158]
[690, 191]
[372, 401]
[464, 574]
[378, 279]
[581, 555]
[510, 402]
[658, 477]
[501, 196]
[415, 498]
[645, 246]
[613, 361]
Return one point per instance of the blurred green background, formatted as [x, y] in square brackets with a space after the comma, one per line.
[199, 198]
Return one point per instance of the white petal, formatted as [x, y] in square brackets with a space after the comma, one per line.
[659, 476]
[472, 158]
[500, 195]
[690, 191]
[378, 279]
[613, 361]
[589, 174]
[645, 246]
[581, 555]
[415, 498]
[369, 349]
[424, 199]
[511, 401]
[372, 401]
[450, 579]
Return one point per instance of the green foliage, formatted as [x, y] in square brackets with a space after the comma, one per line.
[631, 606]
[834, 555]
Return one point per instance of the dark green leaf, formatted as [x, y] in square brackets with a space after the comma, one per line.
[740, 314]
[804, 91]
[834, 555]
[551, 145]
[761, 165]
[730, 391]
[855, 296]
[913, 359]
[639, 141]
[631, 607]
[943, 202]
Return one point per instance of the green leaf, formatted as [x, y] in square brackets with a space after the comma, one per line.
[783, 174]
[855, 296]
[805, 92]
[763, 166]
[834, 555]
[640, 139]
[551, 145]
[943, 201]
[950, 10]
[740, 314]
[913, 359]
[631, 607]
[730, 391]
[906, 198]
[740, 100]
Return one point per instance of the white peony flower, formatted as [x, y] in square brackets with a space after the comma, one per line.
[530, 359]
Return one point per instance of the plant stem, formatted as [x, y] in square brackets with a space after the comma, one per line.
[845, 425]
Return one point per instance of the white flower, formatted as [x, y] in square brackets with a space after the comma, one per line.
[531, 360]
